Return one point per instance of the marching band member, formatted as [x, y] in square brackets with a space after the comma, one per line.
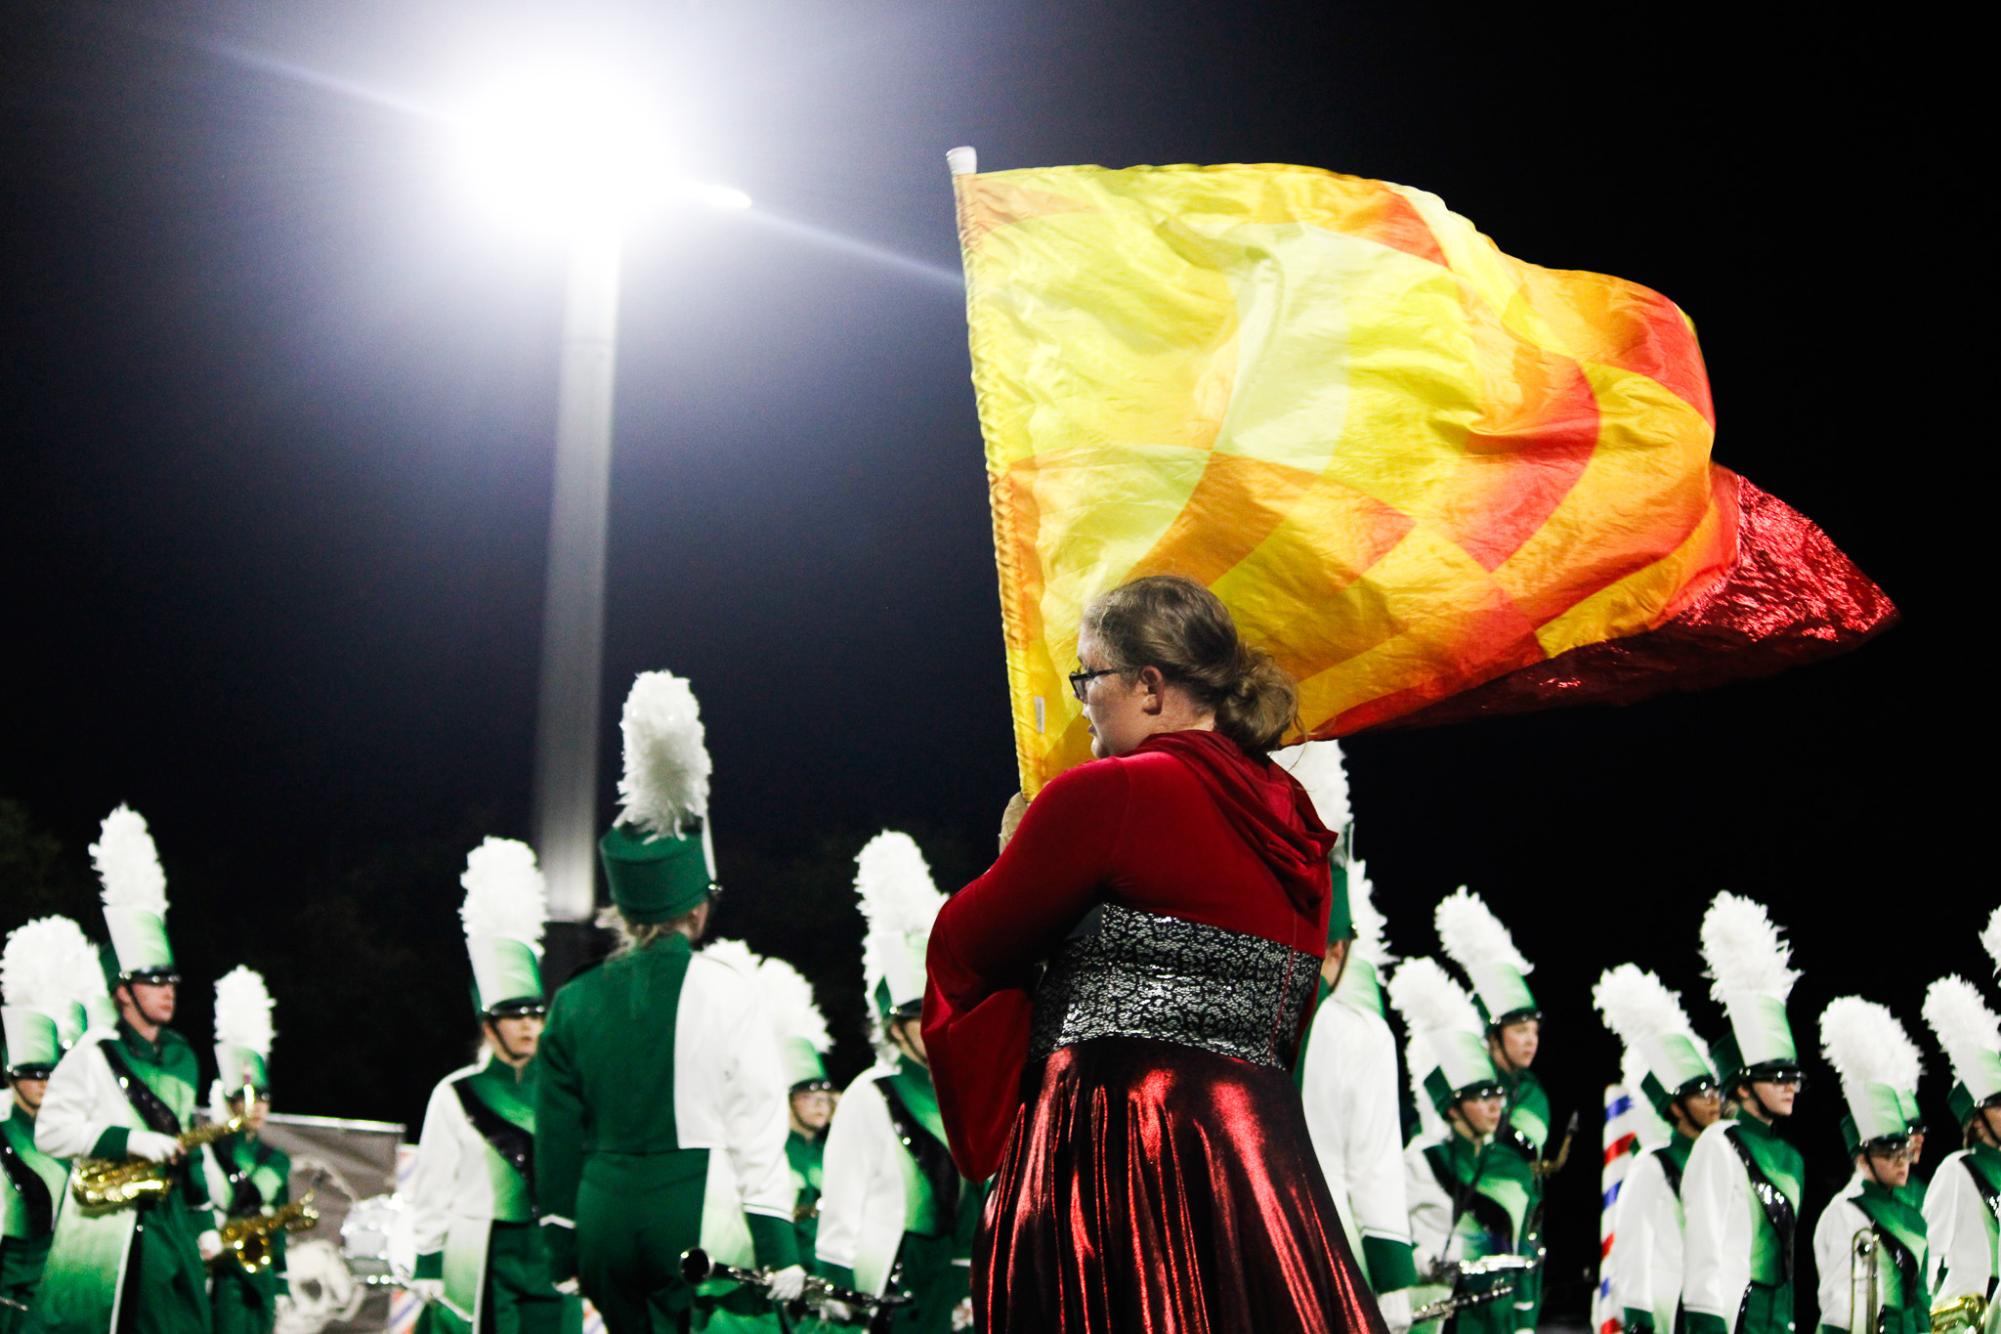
[248, 1176]
[801, 1031]
[1741, 1193]
[129, 1092]
[894, 1211]
[1960, 1219]
[661, 1123]
[1874, 1059]
[1347, 1067]
[1460, 1099]
[39, 1023]
[480, 1259]
[1675, 1078]
[1475, 939]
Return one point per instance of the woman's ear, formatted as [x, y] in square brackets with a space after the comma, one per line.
[1153, 686]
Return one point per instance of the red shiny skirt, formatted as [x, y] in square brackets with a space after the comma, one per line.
[1154, 1187]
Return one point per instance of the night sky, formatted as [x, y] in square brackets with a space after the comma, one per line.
[278, 412]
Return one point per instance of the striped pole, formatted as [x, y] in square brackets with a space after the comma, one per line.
[1621, 1143]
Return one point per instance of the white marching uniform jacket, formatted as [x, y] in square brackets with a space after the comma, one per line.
[1963, 1232]
[1646, 1257]
[451, 1181]
[1348, 1083]
[1833, 1250]
[1432, 1235]
[83, 1100]
[864, 1192]
[1718, 1231]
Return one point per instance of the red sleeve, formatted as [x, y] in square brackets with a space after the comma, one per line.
[987, 939]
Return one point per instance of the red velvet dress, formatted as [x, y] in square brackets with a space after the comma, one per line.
[1134, 1104]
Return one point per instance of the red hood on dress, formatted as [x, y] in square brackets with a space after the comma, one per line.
[1266, 806]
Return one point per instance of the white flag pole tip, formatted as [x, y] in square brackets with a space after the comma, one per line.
[963, 161]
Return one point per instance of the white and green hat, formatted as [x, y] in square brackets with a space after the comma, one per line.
[242, 1032]
[1751, 975]
[899, 901]
[1649, 1020]
[1475, 939]
[1990, 937]
[659, 861]
[1877, 1063]
[1369, 956]
[1319, 767]
[91, 1006]
[797, 1023]
[505, 912]
[1447, 1055]
[35, 1010]
[1970, 1035]
[135, 896]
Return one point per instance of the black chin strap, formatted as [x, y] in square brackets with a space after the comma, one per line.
[513, 1057]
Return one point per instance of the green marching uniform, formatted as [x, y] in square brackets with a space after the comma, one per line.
[1475, 939]
[1742, 1190]
[248, 1178]
[1878, 1066]
[1961, 1222]
[661, 1120]
[39, 1021]
[1463, 1196]
[895, 1214]
[118, 1094]
[480, 1260]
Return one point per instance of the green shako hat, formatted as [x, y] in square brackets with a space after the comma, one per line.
[796, 1023]
[1877, 1063]
[899, 901]
[135, 896]
[1447, 1055]
[505, 911]
[36, 1014]
[1970, 1035]
[242, 1033]
[1649, 1020]
[657, 855]
[1751, 974]
[1475, 939]
[1319, 767]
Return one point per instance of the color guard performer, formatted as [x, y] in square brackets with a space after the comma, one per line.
[661, 1124]
[39, 1023]
[129, 1093]
[1741, 1193]
[481, 1263]
[1678, 1083]
[248, 1176]
[895, 1213]
[1960, 1215]
[1870, 1243]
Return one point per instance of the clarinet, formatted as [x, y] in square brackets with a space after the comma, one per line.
[697, 1266]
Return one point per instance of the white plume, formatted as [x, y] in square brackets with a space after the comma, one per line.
[35, 967]
[128, 865]
[83, 969]
[1636, 1005]
[1371, 942]
[243, 1010]
[506, 895]
[734, 955]
[1744, 951]
[1430, 1000]
[789, 1004]
[894, 882]
[1991, 938]
[1321, 770]
[1418, 1062]
[1647, 1124]
[1866, 1045]
[1959, 1018]
[666, 782]
[1472, 935]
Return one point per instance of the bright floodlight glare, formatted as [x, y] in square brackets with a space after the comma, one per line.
[570, 150]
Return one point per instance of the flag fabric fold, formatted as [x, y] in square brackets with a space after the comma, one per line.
[1434, 480]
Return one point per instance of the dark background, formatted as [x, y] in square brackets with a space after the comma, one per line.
[278, 411]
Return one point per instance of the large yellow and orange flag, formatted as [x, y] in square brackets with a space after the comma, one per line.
[1432, 479]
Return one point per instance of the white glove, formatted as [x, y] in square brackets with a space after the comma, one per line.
[209, 1244]
[427, 1290]
[152, 1146]
[786, 1284]
[569, 1287]
[1396, 1310]
[838, 1313]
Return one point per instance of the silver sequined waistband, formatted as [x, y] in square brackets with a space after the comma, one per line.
[1145, 976]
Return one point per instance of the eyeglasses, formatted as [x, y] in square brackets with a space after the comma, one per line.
[1080, 680]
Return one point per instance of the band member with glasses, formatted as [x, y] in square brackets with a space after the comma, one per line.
[1741, 1194]
[1870, 1243]
[1960, 1219]
[1668, 1068]
[1186, 863]
[481, 1261]
[248, 1175]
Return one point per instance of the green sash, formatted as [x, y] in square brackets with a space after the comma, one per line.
[501, 1108]
[1902, 1230]
[34, 1180]
[1782, 1168]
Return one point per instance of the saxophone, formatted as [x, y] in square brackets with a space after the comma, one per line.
[105, 1185]
[247, 1241]
[1967, 1312]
